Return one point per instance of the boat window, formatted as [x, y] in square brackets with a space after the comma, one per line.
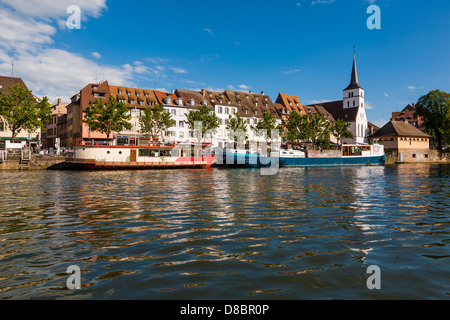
[164, 153]
[143, 153]
[175, 153]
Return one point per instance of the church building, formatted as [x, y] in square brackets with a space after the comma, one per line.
[351, 109]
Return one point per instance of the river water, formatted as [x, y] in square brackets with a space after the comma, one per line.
[305, 233]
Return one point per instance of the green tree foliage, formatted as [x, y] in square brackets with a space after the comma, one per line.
[340, 130]
[107, 118]
[237, 128]
[434, 108]
[312, 127]
[21, 111]
[207, 118]
[154, 120]
[266, 126]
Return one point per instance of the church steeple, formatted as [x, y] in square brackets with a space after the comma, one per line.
[354, 82]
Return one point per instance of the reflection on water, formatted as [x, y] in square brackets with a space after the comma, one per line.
[306, 233]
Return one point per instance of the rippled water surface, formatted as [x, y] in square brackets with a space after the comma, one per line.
[226, 234]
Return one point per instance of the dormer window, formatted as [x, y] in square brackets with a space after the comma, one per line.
[132, 101]
[129, 94]
[192, 102]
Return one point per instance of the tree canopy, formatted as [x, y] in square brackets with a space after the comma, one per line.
[266, 126]
[237, 128]
[312, 127]
[154, 120]
[434, 108]
[340, 130]
[202, 118]
[22, 111]
[107, 118]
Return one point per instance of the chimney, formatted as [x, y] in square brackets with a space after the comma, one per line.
[262, 93]
[59, 102]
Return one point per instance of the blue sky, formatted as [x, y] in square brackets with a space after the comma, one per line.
[299, 47]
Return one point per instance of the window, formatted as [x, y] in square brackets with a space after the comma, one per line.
[227, 111]
[141, 103]
[348, 103]
[181, 134]
[426, 155]
[414, 155]
[174, 112]
[219, 109]
[2, 126]
[181, 124]
[132, 101]
[353, 102]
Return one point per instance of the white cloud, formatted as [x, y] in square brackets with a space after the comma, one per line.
[386, 94]
[317, 101]
[96, 55]
[231, 87]
[244, 87]
[60, 74]
[208, 30]
[322, 2]
[411, 88]
[178, 70]
[368, 106]
[291, 71]
[19, 33]
[380, 122]
[54, 9]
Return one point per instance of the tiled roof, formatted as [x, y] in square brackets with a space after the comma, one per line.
[400, 129]
[7, 82]
[146, 96]
[251, 104]
[192, 99]
[337, 110]
[291, 103]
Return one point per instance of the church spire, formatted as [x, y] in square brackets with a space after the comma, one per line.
[354, 83]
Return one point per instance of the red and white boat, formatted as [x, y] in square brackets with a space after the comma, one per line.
[103, 157]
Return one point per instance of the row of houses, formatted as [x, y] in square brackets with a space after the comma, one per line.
[66, 128]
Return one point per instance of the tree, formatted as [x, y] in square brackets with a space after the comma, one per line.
[266, 126]
[21, 111]
[340, 130]
[154, 120]
[237, 128]
[207, 118]
[107, 118]
[434, 108]
[321, 129]
[312, 127]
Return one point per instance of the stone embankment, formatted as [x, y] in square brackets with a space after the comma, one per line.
[35, 163]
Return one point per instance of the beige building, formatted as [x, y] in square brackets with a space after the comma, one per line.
[404, 141]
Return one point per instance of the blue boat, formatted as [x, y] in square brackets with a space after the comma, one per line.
[349, 155]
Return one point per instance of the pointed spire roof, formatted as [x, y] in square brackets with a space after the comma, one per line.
[354, 83]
